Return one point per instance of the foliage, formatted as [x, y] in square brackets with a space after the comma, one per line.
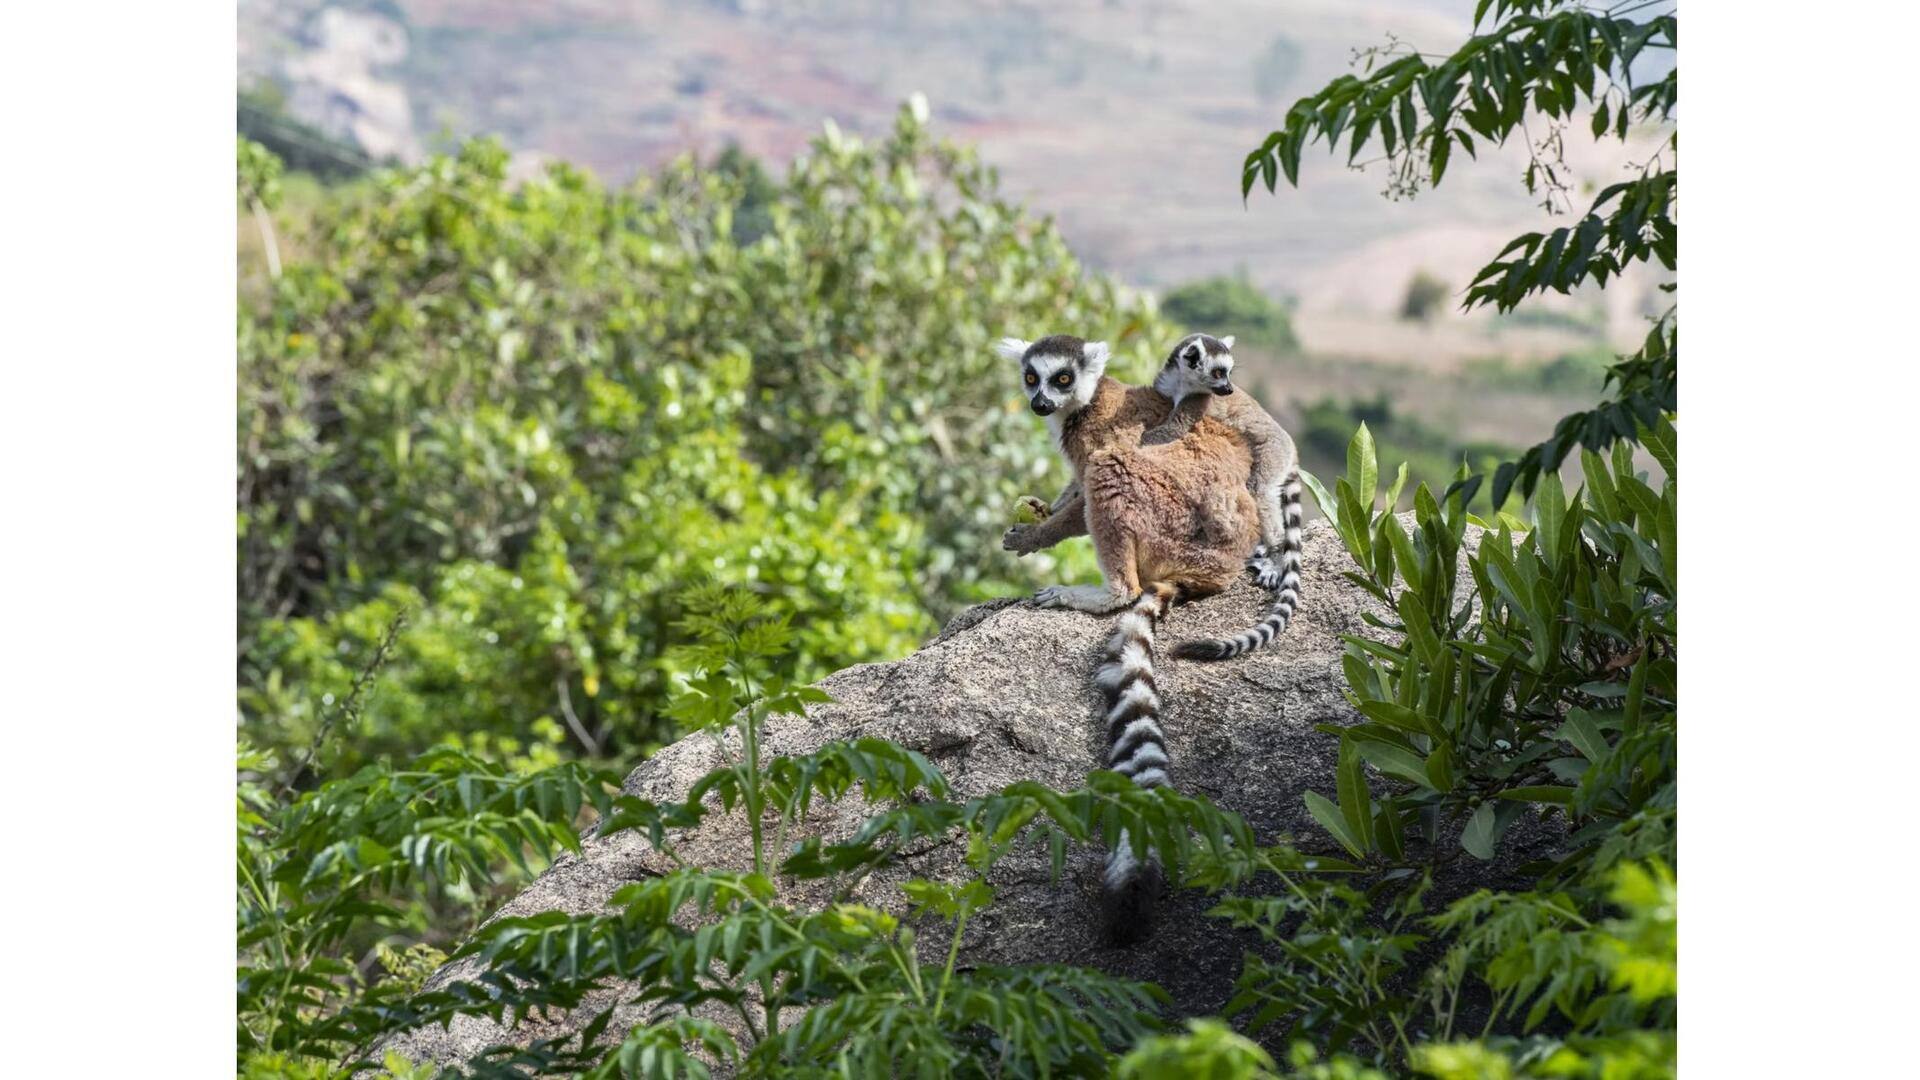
[1230, 305]
[1551, 684]
[753, 213]
[1539, 681]
[1430, 453]
[1547, 687]
[1425, 294]
[1539, 58]
[531, 413]
[258, 174]
[325, 879]
[837, 984]
[261, 118]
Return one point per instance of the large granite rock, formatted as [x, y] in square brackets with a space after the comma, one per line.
[1004, 694]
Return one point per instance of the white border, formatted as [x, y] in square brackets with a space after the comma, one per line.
[118, 548]
[116, 421]
[1798, 747]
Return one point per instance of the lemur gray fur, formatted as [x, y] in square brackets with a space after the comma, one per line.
[1201, 365]
[1166, 520]
[1197, 379]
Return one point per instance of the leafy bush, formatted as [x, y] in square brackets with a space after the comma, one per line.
[1425, 295]
[1535, 57]
[1429, 452]
[1553, 684]
[262, 118]
[529, 414]
[1549, 684]
[1582, 372]
[1230, 305]
[345, 870]
[324, 878]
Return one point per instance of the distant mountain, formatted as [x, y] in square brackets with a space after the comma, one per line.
[1127, 120]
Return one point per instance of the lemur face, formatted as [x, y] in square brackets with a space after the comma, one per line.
[1203, 363]
[1057, 373]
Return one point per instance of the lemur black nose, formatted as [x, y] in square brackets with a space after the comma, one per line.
[1043, 406]
[1223, 389]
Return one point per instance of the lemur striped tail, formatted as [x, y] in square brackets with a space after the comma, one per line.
[1286, 599]
[1136, 747]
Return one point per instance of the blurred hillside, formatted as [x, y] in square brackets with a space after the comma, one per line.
[1127, 121]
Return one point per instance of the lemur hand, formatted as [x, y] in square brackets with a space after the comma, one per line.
[1019, 540]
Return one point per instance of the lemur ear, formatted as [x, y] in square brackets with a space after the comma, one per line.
[1228, 342]
[1093, 357]
[1011, 348]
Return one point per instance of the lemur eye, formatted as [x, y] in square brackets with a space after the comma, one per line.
[1063, 379]
[1032, 379]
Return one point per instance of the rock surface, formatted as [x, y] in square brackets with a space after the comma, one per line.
[1004, 694]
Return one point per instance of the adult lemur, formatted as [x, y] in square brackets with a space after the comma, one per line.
[1197, 380]
[1167, 520]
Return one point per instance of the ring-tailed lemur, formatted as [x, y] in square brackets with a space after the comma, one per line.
[1166, 520]
[1197, 380]
[1199, 371]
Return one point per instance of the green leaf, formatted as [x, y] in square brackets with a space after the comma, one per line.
[1398, 716]
[1363, 468]
[1582, 732]
[1440, 768]
[1549, 513]
[1426, 644]
[1393, 760]
[1663, 445]
[1403, 552]
[1547, 793]
[1478, 836]
[1356, 804]
[1387, 831]
[1393, 493]
[1330, 819]
[1320, 497]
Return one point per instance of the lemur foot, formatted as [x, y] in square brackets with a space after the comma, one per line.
[1091, 599]
[1053, 596]
[1265, 573]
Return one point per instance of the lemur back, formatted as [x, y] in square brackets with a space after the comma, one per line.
[1197, 377]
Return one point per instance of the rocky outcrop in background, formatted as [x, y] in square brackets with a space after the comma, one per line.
[1004, 694]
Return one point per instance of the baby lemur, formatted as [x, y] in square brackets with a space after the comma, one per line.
[1166, 520]
[1197, 380]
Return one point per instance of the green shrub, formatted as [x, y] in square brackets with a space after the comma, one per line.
[1550, 688]
[1230, 305]
[1430, 453]
[833, 985]
[531, 413]
[1426, 294]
